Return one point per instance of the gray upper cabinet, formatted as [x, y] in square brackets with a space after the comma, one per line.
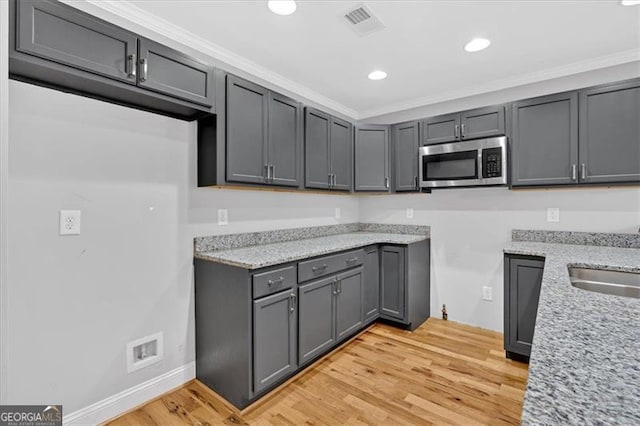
[545, 140]
[371, 284]
[341, 150]
[317, 127]
[274, 339]
[173, 73]
[473, 124]
[316, 325]
[59, 33]
[441, 129]
[348, 303]
[263, 135]
[285, 122]
[246, 131]
[482, 122]
[392, 285]
[610, 133]
[372, 158]
[406, 141]
[522, 281]
[328, 151]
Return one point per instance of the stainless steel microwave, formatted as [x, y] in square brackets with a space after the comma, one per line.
[470, 163]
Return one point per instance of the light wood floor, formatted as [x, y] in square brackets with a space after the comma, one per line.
[443, 373]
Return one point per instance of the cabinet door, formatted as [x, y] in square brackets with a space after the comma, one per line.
[610, 133]
[341, 149]
[392, 288]
[274, 339]
[405, 144]
[482, 122]
[522, 293]
[284, 140]
[316, 318]
[372, 158]
[246, 131]
[173, 73]
[60, 33]
[371, 284]
[316, 149]
[349, 303]
[440, 129]
[545, 140]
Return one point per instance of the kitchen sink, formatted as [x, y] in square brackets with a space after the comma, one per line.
[608, 282]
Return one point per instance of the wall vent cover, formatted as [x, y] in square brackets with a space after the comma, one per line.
[362, 20]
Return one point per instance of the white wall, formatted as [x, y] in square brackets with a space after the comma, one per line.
[470, 227]
[74, 302]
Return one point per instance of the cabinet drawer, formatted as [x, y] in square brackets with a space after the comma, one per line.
[311, 269]
[266, 283]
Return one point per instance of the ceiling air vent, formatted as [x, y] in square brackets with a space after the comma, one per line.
[362, 20]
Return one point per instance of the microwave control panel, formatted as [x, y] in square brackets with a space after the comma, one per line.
[491, 162]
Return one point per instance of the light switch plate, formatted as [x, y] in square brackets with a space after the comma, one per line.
[70, 222]
[487, 293]
[409, 213]
[223, 217]
[553, 214]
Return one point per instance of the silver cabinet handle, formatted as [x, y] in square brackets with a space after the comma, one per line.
[335, 287]
[462, 130]
[292, 302]
[330, 179]
[273, 172]
[278, 281]
[145, 69]
[339, 287]
[386, 182]
[574, 173]
[583, 171]
[455, 131]
[319, 268]
[131, 65]
[267, 170]
[334, 180]
[351, 260]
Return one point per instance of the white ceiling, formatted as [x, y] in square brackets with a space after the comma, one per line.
[421, 47]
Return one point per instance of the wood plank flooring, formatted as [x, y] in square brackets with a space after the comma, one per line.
[443, 373]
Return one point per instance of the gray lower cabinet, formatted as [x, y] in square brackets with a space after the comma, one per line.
[348, 303]
[544, 140]
[316, 318]
[58, 46]
[328, 151]
[522, 281]
[610, 133]
[275, 333]
[392, 291]
[173, 73]
[372, 158]
[262, 135]
[371, 284]
[406, 142]
[477, 123]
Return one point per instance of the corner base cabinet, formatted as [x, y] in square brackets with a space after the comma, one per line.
[522, 281]
[255, 328]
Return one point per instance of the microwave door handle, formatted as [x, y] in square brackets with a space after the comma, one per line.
[480, 174]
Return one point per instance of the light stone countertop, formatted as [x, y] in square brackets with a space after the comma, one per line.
[260, 256]
[585, 360]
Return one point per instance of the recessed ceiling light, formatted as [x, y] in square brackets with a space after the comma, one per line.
[477, 44]
[377, 75]
[630, 2]
[282, 7]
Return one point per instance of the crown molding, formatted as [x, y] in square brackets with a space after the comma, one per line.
[508, 83]
[128, 14]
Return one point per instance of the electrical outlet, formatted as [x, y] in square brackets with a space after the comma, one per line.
[223, 217]
[70, 222]
[553, 214]
[144, 352]
[487, 293]
[409, 213]
[337, 213]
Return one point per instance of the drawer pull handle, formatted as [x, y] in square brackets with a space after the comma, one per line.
[353, 259]
[319, 268]
[293, 301]
[278, 281]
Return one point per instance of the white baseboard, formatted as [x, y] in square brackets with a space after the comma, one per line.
[129, 398]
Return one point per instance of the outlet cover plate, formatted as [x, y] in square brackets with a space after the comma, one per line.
[487, 293]
[70, 222]
[553, 214]
[223, 217]
[409, 213]
[134, 363]
[338, 213]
